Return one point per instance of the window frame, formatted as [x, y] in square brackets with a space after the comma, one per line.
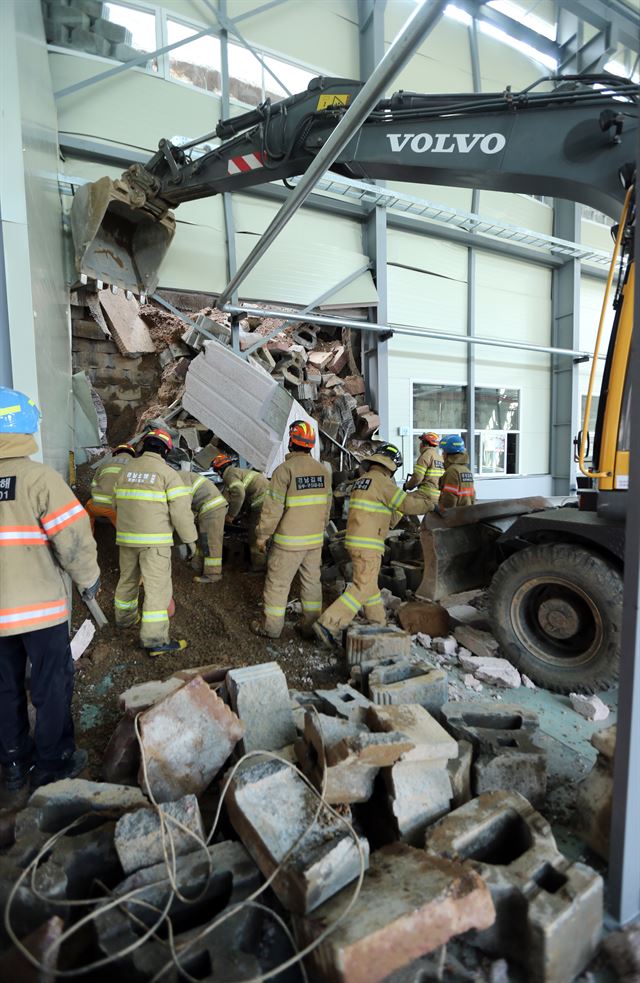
[416, 431]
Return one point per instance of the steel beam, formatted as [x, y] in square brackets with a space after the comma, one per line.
[413, 33]
[479, 10]
[229, 25]
[565, 333]
[125, 66]
[601, 13]
[375, 349]
[624, 856]
[589, 58]
[251, 310]
[474, 53]
[257, 10]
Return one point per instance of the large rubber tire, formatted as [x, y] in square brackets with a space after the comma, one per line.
[557, 614]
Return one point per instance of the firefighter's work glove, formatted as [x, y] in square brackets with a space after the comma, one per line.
[89, 593]
[192, 549]
[261, 545]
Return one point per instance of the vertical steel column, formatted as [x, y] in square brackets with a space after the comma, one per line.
[565, 299]
[624, 857]
[474, 54]
[6, 376]
[565, 318]
[374, 233]
[227, 206]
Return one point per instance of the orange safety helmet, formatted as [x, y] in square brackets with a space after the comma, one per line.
[161, 435]
[430, 438]
[221, 461]
[302, 434]
[124, 449]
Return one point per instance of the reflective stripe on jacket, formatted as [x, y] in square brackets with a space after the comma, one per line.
[244, 485]
[375, 497]
[205, 497]
[298, 504]
[456, 485]
[105, 479]
[427, 472]
[151, 500]
[43, 530]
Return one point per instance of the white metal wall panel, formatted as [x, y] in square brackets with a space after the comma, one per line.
[591, 298]
[597, 235]
[425, 300]
[441, 64]
[517, 210]
[428, 254]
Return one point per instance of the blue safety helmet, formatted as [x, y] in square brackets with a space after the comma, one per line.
[18, 413]
[452, 444]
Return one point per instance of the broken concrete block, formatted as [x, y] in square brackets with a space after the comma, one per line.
[466, 614]
[460, 774]
[408, 906]
[186, 738]
[423, 640]
[270, 808]
[138, 836]
[307, 390]
[424, 616]
[376, 642]
[445, 646]
[320, 360]
[393, 669]
[623, 952]
[428, 689]
[71, 17]
[481, 643]
[594, 796]
[144, 695]
[526, 682]
[354, 384]
[419, 793]
[41, 943]
[548, 911]
[260, 696]
[589, 707]
[344, 701]
[367, 424]
[57, 804]
[472, 683]
[339, 360]
[430, 741]
[91, 7]
[496, 672]
[505, 755]
[330, 380]
[121, 758]
[352, 756]
[115, 33]
[307, 336]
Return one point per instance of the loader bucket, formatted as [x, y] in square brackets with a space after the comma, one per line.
[115, 241]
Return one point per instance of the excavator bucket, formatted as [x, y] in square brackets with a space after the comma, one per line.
[116, 240]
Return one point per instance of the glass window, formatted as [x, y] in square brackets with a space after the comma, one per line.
[140, 24]
[196, 63]
[497, 409]
[245, 76]
[296, 79]
[439, 408]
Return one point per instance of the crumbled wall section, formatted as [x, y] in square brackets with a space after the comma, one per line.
[124, 383]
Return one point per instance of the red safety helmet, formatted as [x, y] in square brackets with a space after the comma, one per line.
[302, 434]
[124, 449]
[220, 462]
[161, 435]
[430, 438]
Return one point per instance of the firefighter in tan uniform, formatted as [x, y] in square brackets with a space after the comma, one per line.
[456, 484]
[44, 530]
[375, 500]
[151, 500]
[100, 505]
[427, 472]
[295, 515]
[210, 510]
[245, 490]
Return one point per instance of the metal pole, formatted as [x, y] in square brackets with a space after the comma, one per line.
[227, 205]
[474, 54]
[624, 858]
[334, 322]
[411, 36]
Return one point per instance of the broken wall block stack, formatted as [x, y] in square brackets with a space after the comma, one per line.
[548, 911]
[504, 749]
[595, 793]
[81, 25]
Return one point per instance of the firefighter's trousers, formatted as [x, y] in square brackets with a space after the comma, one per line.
[97, 511]
[362, 592]
[258, 560]
[281, 569]
[211, 528]
[152, 565]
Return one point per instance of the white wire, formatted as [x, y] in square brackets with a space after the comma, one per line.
[166, 821]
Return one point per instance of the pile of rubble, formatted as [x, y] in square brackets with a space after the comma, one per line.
[361, 828]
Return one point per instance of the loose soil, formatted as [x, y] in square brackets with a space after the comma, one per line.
[214, 619]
